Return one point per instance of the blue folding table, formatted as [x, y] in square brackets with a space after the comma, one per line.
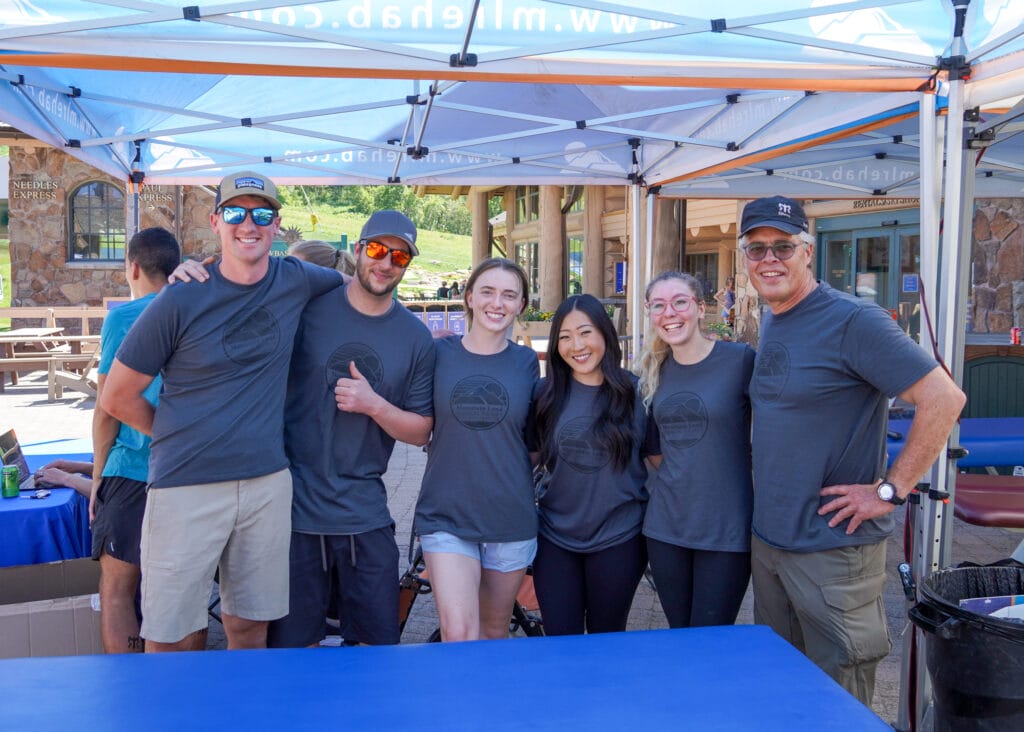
[48, 529]
[725, 678]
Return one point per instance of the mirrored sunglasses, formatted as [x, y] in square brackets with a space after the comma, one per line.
[261, 216]
[680, 304]
[782, 249]
[376, 250]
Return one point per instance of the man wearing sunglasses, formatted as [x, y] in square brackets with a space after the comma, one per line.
[361, 378]
[220, 488]
[827, 364]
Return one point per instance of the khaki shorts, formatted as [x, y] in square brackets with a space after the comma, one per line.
[241, 527]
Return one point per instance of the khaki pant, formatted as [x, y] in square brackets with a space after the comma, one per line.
[829, 605]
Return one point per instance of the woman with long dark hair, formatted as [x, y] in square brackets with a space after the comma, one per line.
[475, 516]
[590, 426]
[698, 520]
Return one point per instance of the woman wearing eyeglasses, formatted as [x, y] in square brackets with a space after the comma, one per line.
[590, 424]
[475, 516]
[698, 519]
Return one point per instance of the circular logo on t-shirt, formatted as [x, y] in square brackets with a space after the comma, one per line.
[479, 402]
[578, 446]
[367, 361]
[252, 337]
[771, 371]
[682, 419]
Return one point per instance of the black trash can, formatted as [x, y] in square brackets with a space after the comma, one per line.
[976, 662]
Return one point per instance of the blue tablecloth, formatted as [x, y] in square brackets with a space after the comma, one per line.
[49, 529]
[990, 440]
[727, 678]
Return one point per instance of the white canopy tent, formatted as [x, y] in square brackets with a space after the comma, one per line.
[527, 91]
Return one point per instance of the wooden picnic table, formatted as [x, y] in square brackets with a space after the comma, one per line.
[29, 349]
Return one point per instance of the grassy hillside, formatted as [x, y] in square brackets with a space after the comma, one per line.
[443, 256]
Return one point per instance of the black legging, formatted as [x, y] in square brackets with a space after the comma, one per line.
[698, 587]
[592, 591]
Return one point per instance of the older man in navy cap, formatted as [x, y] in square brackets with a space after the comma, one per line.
[220, 489]
[827, 364]
[361, 377]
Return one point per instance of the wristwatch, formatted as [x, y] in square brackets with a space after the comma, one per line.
[887, 492]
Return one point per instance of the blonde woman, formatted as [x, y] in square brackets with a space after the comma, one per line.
[698, 519]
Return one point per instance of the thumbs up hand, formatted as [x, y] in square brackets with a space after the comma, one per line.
[355, 394]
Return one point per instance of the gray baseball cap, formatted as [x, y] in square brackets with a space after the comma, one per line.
[391, 223]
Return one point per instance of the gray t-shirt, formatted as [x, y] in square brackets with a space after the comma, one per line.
[338, 457]
[701, 496]
[477, 484]
[823, 373]
[589, 505]
[223, 350]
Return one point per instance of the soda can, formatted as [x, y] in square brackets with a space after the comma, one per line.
[1015, 336]
[11, 481]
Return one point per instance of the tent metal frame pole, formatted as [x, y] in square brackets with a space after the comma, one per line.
[634, 266]
[911, 672]
[954, 259]
[649, 237]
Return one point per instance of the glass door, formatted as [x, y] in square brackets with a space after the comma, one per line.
[879, 264]
[873, 278]
[838, 261]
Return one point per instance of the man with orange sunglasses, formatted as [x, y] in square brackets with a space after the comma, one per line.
[361, 377]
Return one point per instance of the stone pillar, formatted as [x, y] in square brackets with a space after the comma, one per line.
[481, 247]
[593, 242]
[667, 237]
[551, 248]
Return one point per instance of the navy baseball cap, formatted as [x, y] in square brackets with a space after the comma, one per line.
[778, 212]
[391, 223]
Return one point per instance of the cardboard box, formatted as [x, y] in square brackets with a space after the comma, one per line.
[50, 609]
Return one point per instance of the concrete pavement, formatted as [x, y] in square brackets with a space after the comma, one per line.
[25, 408]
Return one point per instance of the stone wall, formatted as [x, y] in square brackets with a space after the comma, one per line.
[42, 177]
[997, 299]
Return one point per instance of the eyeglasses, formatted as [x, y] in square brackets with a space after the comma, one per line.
[782, 249]
[679, 304]
[376, 250]
[261, 216]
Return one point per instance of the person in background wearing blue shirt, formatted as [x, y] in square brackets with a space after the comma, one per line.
[121, 453]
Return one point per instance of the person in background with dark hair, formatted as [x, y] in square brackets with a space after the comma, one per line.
[698, 519]
[121, 454]
[443, 293]
[453, 290]
[590, 425]
[476, 516]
